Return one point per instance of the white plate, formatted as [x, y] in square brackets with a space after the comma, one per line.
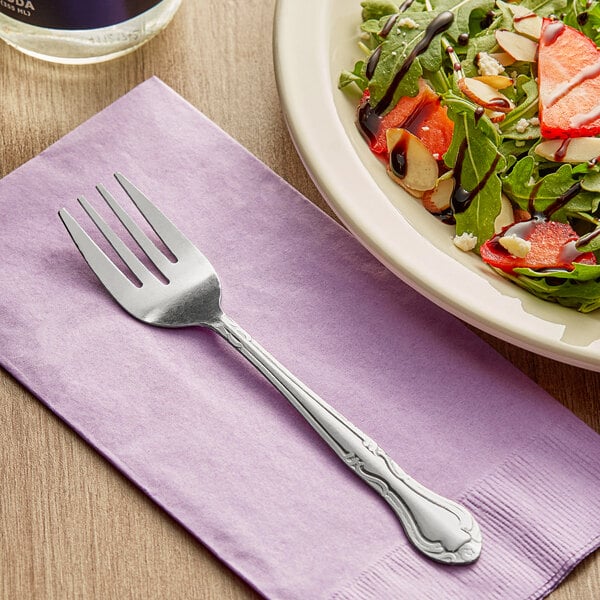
[314, 40]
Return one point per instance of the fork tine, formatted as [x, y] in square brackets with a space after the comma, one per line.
[112, 278]
[173, 239]
[128, 257]
[144, 242]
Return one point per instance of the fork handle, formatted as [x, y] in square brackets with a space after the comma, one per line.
[440, 528]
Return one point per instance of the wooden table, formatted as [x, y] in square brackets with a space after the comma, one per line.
[70, 525]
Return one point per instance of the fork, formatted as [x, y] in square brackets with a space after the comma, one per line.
[190, 295]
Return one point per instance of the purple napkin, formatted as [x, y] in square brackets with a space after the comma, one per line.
[184, 417]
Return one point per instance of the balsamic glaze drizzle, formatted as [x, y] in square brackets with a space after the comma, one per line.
[440, 24]
[369, 117]
[389, 24]
[405, 5]
[563, 199]
[372, 62]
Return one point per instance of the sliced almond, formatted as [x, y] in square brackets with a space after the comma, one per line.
[494, 116]
[506, 215]
[504, 58]
[518, 46]
[521, 215]
[526, 21]
[485, 95]
[419, 168]
[573, 150]
[437, 200]
[499, 82]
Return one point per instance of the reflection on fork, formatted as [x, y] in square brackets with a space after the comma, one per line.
[188, 293]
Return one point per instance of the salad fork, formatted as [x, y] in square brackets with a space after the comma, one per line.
[189, 295]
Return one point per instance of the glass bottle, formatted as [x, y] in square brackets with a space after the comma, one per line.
[82, 31]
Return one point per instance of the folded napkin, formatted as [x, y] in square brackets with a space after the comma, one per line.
[184, 417]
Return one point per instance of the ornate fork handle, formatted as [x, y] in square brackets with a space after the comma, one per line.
[440, 528]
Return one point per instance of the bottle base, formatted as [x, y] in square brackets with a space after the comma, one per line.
[87, 46]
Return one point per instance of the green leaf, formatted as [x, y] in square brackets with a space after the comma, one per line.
[462, 14]
[356, 76]
[545, 8]
[591, 182]
[589, 242]
[458, 104]
[526, 100]
[476, 162]
[395, 51]
[525, 189]
[579, 288]
[401, 41]
[376, 9]
[591, 25]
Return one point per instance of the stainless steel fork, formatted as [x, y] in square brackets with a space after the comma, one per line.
[190, 295]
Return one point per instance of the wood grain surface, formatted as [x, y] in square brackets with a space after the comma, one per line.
[70, 525]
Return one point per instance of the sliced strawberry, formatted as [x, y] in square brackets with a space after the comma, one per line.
[569, 82]
[423, 115]
[552, 246]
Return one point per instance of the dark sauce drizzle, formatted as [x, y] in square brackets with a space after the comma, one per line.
[372, 62]
[524, 17]
[563, 200]
[461, 197]
[398, 158]
[488, 19]
[369, 117]
[437, 26]
[389, 24]
[479, 112]
[587, 238]
[405, 5]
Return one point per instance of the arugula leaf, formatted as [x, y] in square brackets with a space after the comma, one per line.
[524, 188]
[589, 242]
[395, 50]
[590, 25]
[458, 104]
[462, 13]
[375, 9]
[476, 162]
[579, 288]
[591, 181]
[401, 41]
[545, 8]
[526, 100]
[355, 76]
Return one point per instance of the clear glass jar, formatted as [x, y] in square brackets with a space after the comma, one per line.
[82, 31]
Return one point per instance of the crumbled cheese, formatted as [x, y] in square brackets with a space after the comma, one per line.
[488, 65]
[517, 246]
[408, 23]
[465, 241]
[522, 125]
[534, 121]
[425, 128]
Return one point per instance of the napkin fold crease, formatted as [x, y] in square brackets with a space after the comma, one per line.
[198, 430]
[536, 530]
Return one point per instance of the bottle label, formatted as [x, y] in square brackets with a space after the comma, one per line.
[74, 14]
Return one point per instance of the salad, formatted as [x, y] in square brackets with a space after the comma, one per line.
[488, 112]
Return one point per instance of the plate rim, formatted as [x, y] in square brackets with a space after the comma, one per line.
[310, 22]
